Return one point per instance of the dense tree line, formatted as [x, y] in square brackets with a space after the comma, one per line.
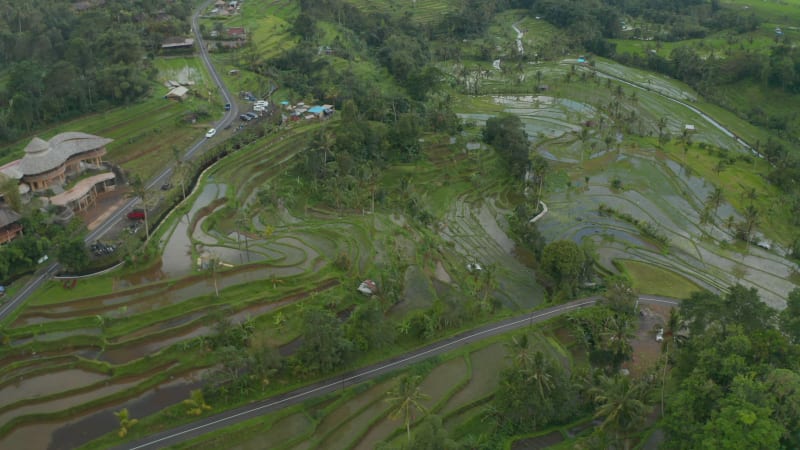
[40, 237]
[735, 377]
[63, 61]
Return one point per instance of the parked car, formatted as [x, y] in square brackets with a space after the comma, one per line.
[166, 186]
[211, 132]
[252, 115]
[227, 106]
[245, 117]
[136, 214]
[100, 249]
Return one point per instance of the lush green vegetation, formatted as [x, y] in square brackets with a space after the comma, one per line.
[649, 279]
[62, 62]
[445, 139]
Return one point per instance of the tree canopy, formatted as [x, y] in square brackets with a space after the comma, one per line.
[63, 62]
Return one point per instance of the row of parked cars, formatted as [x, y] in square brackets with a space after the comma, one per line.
[246, 117]
[101, 249]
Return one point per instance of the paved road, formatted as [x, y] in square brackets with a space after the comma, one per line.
[228, 418]
[703, 115]
[46, 273]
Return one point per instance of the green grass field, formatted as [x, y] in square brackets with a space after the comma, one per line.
[648, 279]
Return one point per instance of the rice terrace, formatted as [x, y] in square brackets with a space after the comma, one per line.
[445, 224]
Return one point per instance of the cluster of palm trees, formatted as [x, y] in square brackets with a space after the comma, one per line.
[751, 214]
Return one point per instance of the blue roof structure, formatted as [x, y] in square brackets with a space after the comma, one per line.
[285, 102]
[316, 110]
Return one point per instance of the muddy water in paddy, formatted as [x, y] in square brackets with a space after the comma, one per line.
[30, 437]
[46, 384]
[129, 353]
[176, 257]
[42, 436]
[95, 424]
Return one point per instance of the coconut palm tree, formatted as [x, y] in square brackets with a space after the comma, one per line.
[617, 335]
[182, 168]
[621, 404]
[519, 351]
[715, 198]
[139, 190]
[540, 374]
[405, 398]
[213, 267]
[752, 217]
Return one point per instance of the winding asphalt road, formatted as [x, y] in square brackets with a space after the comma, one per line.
[272, 404]
[46, 273]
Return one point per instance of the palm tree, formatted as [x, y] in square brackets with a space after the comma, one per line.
[617, 336]
[540, 374]
[213, 267]
[662, 123]
[406, 397]
[622, 405]
[714, 198]
[519, 351]
[730, 223]
[180, 168]
[751, 220]
[138, 189]
[675, 324]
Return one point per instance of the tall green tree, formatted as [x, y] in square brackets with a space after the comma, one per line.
[617, 334]
[534, 391]
[743, 420]
[405, 400]
[431, 435]
[562, 263]
[507, 135]
[620, 296]
[325, 346]
[790, 317]
[139, 190]
[72, 254]
[9, 190]
[622, 405]
[368, 329]
[715, 198]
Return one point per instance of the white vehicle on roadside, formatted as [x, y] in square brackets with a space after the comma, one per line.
[211, 133]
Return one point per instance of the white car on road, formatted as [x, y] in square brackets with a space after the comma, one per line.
[211, 133]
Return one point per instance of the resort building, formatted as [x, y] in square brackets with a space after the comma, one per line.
[9, 224]
[48, 165]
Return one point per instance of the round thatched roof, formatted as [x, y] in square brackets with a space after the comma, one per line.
[42, 156]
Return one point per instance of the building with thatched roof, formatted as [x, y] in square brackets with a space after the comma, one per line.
[177, 93]
[84, 193]
[49, 163]
[177, 42]
[9, 224]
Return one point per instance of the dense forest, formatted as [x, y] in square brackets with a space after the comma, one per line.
[64, 59]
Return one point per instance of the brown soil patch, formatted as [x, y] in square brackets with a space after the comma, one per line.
[646, 350]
